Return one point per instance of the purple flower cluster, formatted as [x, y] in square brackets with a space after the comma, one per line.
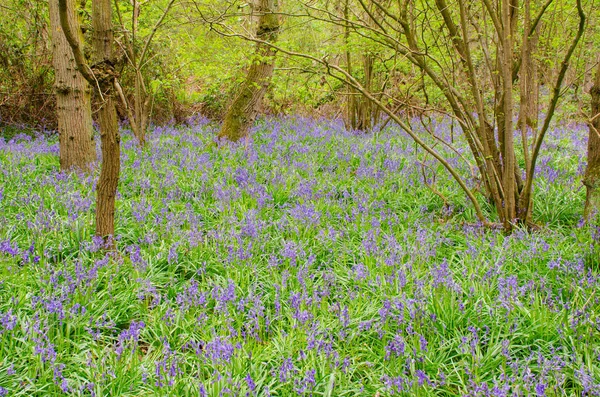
[309, 260]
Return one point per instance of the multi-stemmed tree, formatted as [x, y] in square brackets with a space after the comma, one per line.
[478, 42]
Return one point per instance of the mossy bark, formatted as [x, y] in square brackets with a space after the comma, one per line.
[243, 110]
[73, 104]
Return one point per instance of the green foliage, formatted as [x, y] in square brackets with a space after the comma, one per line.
[192, 67]
[26, 74]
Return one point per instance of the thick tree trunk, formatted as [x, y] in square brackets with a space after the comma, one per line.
[365, 113]
[361, 115]
[244, 108]
[73, 104]
[592, 172]
[107, 118]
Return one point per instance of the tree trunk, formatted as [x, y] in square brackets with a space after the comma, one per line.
[508, 150]
[141, 109]
[103, 78]
[244, 108]
[360, 112]
[107, 119]
[350, 102]
[73, 104]
[592, 172]
[528, 111]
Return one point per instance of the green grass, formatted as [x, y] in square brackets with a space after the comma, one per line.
[312, 262]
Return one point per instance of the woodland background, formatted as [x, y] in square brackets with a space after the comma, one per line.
[192, 69]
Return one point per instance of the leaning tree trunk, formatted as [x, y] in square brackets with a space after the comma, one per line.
[244, 108]
[102, 77]
[73, 104]
[592, 172]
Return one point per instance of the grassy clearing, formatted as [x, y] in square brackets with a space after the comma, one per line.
[310, 262]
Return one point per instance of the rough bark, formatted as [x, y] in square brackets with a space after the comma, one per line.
[107, 119]
[243, 110]
[109, 173]
[592, 173]
[73, 104]
[101, 75]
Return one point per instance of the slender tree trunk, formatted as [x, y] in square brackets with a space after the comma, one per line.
[508, 150]
[140, 108]
[351, 100]
[243, 110]
[525, 82]
[592, 172]
[366, 108]
[139, 128]
[73, 104]
[107, 118]
[528, 112]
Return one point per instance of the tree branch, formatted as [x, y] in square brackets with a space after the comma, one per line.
[553, 102]
[73, 41]
[350, 80]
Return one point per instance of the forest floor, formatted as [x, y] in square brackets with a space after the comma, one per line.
[310, 261]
